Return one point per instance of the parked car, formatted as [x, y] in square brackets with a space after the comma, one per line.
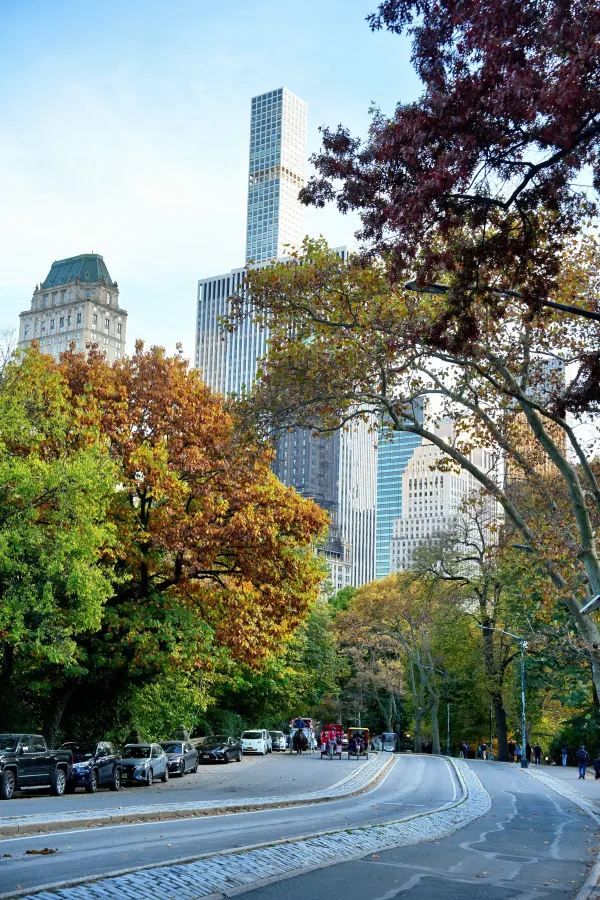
[182, 757]
[95, 764]
[26, 761]
[144, 763]
[278, 740]
[220, 748]
[256, 741]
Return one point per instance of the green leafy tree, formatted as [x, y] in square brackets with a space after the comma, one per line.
[56, 574]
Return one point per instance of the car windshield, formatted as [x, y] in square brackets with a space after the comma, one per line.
[8, 742]
[172, 747]
[136, 751]
[80, 751]
[213, 739]
[252, 735]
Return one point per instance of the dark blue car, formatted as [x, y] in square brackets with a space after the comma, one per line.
[95, 764]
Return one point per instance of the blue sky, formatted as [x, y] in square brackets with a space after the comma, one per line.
[124, 130]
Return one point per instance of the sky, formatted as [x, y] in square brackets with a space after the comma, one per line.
[125, 130]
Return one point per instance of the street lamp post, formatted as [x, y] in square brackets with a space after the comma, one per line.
[523, 643]
[448, 731]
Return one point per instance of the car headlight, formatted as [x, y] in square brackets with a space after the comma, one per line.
[141, 767]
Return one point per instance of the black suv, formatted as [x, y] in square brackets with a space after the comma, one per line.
[95, 764]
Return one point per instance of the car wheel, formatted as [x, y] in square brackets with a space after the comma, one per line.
[59, 783]
[149, 777]
[92, 785]
[239, 756]
[195, 768]
[165, 775]
[115, 784]
[8, 785]
[182, 768]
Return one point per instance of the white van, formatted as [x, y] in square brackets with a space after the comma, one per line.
[256, 741]
[278, 738]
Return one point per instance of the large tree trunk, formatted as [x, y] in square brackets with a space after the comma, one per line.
[57, 710]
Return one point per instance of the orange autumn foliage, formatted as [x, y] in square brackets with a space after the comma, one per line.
[214, 552]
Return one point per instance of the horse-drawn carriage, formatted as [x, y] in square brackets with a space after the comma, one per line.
[302, 735]
[331, 740]
[358, 742]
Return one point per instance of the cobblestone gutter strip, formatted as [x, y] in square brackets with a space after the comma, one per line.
[354, 783]
[227, 874]
[591, 888]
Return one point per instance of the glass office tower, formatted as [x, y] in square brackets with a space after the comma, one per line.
[393, 454]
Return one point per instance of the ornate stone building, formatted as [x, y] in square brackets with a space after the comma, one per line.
[77, 303]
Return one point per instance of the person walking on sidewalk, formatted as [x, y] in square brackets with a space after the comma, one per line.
[564, 753]
[537, 755]
[583, 760]
[518, 753]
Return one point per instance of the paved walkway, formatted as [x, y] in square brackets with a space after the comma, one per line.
[589, 788]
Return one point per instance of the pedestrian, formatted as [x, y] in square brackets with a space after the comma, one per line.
[511, 751]
[596, 765]
[467, 749]
[528, 752]
[583, 759]
[564, 753]
[537, 755]
[484, 751]
[518, 753]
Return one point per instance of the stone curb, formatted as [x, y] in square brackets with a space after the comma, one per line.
[226, 874]
[354, 783]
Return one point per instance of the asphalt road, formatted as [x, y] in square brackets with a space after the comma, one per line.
[256, 776]
[532, 844]
[415, 784]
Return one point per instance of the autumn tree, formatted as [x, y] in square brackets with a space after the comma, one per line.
[346, 342]
[500, 591]
[484, 179]
[391, 634]
[214, 555]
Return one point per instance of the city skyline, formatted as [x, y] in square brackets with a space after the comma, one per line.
[155, 179]
[337, 471]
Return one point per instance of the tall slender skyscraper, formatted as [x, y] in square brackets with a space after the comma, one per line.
[337, 471]
[276, 174]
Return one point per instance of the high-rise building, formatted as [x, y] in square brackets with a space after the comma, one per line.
[276, 174]
[337, 471]
[394, 451]
[77, 304]
[433, 501]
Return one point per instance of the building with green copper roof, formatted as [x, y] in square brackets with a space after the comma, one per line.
[77, 305]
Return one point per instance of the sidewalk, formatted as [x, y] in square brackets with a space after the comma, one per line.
[588, 788]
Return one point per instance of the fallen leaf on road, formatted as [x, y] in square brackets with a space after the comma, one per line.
[43, 851]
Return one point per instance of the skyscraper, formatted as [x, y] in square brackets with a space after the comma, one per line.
[394, 451]
[77, 303]
[337, 471]
[276, 174]
[433, 501]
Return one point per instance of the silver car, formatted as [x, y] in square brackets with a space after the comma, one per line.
[144, 763]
